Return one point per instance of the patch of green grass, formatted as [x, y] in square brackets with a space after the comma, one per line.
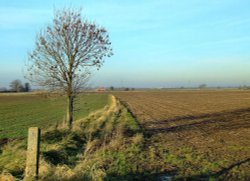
[19, 112]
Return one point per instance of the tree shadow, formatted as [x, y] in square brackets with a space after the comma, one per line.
[161, 176]
[220, 175]
[227, 169]
[226, 120]
[70, 145]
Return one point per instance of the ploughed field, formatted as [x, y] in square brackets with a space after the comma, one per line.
[213, 125]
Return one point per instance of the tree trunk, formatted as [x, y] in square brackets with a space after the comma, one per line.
[70, 109]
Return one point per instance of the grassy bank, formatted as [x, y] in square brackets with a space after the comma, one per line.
[20, 111]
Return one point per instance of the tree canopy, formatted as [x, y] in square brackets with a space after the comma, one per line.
[65, 52]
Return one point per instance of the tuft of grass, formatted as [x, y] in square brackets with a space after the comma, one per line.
[6, 176]
[12, 158]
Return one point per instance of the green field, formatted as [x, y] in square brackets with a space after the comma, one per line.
[20, 111]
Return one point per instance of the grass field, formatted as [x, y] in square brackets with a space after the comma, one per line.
[207, 132]
[20, 111]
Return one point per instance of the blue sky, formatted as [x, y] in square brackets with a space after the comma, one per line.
[163, 43]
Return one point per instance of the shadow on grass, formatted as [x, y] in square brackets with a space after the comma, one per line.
[140, 177]
[220, 175]
[170, 176]
[227, 120]
[54, 136]
[69, 146]
[226, 170]
[55, 156]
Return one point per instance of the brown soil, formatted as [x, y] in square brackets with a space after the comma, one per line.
[215, 124]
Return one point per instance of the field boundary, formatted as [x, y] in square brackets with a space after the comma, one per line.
[130, 112]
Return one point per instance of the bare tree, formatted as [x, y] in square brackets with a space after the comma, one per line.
[65, 52]
[16, 86]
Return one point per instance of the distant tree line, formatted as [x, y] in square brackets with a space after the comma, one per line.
[17, 86]
[112, 88]
[244, 87]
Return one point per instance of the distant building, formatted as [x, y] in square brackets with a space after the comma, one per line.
[101, 89]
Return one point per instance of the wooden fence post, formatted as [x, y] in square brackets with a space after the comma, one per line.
[32, 160]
